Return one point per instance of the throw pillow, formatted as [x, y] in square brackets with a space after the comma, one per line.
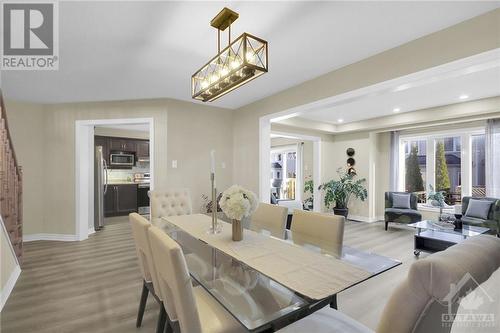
[478, 209]
[401, 201]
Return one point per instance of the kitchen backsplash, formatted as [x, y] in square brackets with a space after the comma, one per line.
[125, 174]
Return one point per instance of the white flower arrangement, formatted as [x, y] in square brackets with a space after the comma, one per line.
[238, 202]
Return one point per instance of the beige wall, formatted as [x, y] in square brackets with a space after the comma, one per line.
[26, 123]
[186, 131]
[468, 38]
[7, 260]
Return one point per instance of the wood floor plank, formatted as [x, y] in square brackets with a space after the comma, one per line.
[94, 285]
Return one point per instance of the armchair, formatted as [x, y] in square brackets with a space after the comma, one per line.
[493, 221]
[401, 215]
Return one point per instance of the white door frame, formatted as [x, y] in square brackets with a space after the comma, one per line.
[265, 153]
[84, 168]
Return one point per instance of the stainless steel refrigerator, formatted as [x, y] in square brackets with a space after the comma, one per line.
[100, 187]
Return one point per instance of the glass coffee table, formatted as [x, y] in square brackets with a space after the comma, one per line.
[432, 236]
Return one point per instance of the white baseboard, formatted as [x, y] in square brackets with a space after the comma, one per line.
[365, 218]
[50, 237]
[91, 231]
[9, 286]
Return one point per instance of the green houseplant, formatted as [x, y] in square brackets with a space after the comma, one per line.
[341, 191]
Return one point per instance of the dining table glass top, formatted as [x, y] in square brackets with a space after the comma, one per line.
[254, 299]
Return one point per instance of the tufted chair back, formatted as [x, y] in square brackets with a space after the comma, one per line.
[170, 203]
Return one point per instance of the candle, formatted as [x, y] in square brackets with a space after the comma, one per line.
[212, 161]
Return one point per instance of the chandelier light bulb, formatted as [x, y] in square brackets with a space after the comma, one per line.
[235, 64]
[224, 72]
[204, 84]
[249, 56]
[214, 78]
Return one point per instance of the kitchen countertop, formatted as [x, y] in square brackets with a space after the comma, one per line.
[125, 182]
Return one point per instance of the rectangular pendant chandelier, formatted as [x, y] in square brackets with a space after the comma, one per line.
[241, 61]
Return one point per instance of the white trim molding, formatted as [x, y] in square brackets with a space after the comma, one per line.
[50, 237]
[366, 219]
[84, 171]
[9, 286]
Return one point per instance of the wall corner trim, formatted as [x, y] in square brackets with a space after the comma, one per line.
[9, 286]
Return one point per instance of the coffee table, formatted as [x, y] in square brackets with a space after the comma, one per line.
[432, 236]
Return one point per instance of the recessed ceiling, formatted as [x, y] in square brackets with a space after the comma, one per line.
[450, 90]
[139, 50]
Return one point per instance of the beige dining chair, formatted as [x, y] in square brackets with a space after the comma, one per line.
[150, 284]
[196, 310]
[421, 301]
[170, 202]
[269, 217]
[325, 228]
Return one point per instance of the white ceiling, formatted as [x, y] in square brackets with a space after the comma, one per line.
[443, 91]
[137, 50]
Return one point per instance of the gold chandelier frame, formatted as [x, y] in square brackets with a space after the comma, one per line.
[243, 60]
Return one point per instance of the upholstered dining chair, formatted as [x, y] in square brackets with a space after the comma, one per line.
[169, 203]
[196, 310]
[431, 291]
[269, 217]
[150, 284]
[325, 228]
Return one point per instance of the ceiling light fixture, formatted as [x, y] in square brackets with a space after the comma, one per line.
[241, 61]
[463, 96]
[340, 120]
[396, 110]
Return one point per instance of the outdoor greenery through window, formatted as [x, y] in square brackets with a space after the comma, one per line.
[448, 169]
[457, 164]
[415, 167]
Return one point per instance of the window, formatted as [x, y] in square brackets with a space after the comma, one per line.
[448, 168]
[415, 165]
[451, 161]
[284, 172]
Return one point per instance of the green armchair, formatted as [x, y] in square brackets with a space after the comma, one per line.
[493, 221]
[401, 215]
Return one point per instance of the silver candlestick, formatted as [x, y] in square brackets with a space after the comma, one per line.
[216, 227]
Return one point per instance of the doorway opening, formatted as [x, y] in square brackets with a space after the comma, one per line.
[127, 155]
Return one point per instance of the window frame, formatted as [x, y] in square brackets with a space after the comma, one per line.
[430, 137]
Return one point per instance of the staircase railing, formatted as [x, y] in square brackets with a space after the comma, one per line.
[11, 190]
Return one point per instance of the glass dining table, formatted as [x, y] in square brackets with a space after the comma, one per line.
[258, 302]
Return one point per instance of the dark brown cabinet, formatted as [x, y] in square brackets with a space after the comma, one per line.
[142, 149]
[138, 147]
[120, 200]
[119, 144]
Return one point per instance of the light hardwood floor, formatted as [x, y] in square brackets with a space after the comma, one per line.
[94, 285]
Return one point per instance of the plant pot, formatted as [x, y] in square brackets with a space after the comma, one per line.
[341, 211]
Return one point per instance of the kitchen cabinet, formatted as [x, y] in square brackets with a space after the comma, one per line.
[120, 144]
[120, 200]
[142, 149]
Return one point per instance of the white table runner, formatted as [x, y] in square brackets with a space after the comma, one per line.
[311, 274]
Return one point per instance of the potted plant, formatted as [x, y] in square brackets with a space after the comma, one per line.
[341, 191]
[437, 199]
[309, 190]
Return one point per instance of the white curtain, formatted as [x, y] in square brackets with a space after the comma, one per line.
[394, 166]
[493, 158]
[299, 185]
